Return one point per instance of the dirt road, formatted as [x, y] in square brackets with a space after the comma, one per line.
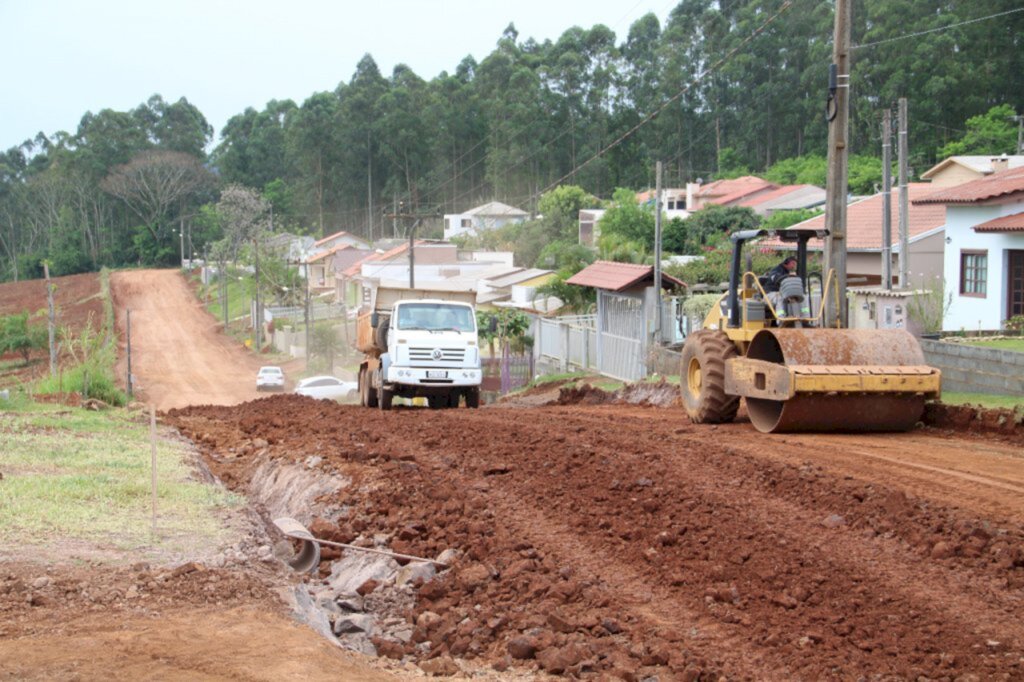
[625, 540]
[179, 355]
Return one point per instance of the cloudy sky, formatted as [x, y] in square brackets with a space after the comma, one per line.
[65, 57]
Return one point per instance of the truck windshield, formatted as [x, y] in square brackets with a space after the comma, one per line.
[436, 317]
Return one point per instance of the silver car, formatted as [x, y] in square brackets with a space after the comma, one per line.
[327, 388]
[270, 379]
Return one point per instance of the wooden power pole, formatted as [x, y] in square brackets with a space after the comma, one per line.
[904, 198]
[837, 182]
[887, 199]
[657, 254]
[51, 319]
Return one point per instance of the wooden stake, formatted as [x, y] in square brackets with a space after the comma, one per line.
[51, 319]
[152, 477]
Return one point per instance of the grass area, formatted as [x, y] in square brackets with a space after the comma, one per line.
[983, 399]
[77, 474]
[239, 299]
[1016, 345]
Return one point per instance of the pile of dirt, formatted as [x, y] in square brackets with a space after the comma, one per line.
[659, 394]
[612, 540]
[1008, 424]
[32, 597]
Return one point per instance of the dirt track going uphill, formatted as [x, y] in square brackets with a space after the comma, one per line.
[621, 539]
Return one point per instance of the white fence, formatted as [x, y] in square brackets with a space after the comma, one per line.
[570, 341]
[622, 347]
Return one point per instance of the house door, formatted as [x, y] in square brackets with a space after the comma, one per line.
[1015, 284]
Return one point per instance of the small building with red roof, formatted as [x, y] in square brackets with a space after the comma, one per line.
[984, 240]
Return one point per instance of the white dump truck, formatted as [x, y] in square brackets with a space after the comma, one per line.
[419, 343]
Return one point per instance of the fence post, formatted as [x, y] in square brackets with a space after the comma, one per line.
[564, 329]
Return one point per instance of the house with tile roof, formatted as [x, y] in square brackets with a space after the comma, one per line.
[339, 239]
[984, 240]
[437, 265]
[488, 216]
[956, 170]
[323, 265]
[864, 238]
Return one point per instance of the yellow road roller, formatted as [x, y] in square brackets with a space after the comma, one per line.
[796, 374]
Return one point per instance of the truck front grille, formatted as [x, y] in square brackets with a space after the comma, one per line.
[421, 355]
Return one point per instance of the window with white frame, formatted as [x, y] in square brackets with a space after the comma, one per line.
[973, 273]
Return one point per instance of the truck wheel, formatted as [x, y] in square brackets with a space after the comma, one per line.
[702, 378]
[369, 391]
[453, 399]
[437, 402]
[473, 397]
[384, 398]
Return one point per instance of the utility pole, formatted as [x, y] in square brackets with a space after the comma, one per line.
[887, 199]
[657, 253]
[904, 198]
[256, 313]
[369, 191]
[1020, 133]
[181, 239]
[128, 314]
[412, 254]
[224, 291]
[308, 347]
[51, 319]
[838, 113]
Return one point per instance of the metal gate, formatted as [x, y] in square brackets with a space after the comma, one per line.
[621, 338]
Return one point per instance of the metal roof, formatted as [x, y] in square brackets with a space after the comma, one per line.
[619, 276]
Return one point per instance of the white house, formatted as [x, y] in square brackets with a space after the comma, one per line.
[984, 255]
[486, 217]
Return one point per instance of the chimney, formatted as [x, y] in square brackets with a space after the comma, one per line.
[1000, 163]
[691, 195]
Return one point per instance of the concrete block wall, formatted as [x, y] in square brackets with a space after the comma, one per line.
[969, 369]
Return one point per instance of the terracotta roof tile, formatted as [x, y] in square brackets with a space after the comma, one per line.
[864, 220]
[328, 252]
[724, 192]
[356, 267]
[335, 236]
[1008, 223]
[991, 187]
[617, 276]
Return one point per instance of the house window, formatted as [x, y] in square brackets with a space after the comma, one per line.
[467, 222]
[973, 273]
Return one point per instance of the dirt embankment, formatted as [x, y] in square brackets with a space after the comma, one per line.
[78, 303]
[623, 540]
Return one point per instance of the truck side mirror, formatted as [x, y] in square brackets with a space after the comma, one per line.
[374, 319]
[492, 325]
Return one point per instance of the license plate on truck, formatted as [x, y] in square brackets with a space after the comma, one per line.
[436, 374]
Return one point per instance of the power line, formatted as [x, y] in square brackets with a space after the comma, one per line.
[936, 30]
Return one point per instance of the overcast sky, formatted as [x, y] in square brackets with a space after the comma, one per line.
[62, 58]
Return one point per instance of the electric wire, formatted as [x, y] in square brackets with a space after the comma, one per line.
[937, 29]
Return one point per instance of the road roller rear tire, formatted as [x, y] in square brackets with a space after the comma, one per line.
[702, 378]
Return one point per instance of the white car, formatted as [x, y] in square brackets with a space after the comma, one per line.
[327, 388]
[270, 379]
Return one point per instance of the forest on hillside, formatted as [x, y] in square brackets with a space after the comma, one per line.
[723, 87]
